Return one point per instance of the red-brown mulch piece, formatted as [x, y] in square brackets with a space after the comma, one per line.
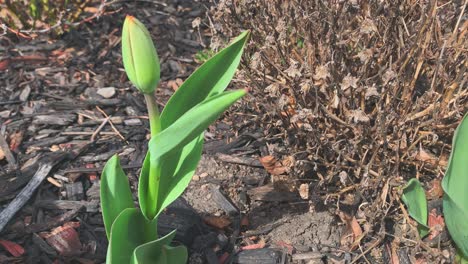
[13, 248]
[65, 239]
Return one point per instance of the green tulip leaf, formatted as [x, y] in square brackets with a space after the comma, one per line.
[130, 230]
[115, 192]
[415, 199]
[181, 169]
[174, 140]
[178, 166]
[146, 199]
[210, 79]
[456, 222]
[455, 185]
[191, 124]
[160, 251]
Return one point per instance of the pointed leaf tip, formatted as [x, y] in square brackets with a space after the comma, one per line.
[115, 192]
[208, 80]
[415, 199]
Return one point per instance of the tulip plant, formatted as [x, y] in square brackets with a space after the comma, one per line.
[174, 148]
[455, 201]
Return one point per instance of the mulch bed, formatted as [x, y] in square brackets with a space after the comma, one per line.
[66, 107]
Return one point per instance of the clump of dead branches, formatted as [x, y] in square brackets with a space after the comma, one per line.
[363, 94]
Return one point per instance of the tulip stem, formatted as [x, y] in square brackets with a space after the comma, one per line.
[153, 114]
[155, 169]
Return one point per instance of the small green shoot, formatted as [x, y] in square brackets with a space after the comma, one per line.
[415, 199]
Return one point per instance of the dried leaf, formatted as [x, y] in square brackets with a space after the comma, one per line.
[286, 245]
[174, 84]
[256, 60]
[365, 55]
[395, 259]
[388, 76]
[336, 100]
[219, 222]
[293, 70]
[272, 165]
[289, 162]
[354, 230]
[343, 177]
[321, 73]
[436, 223]
[357, 231]
[429, 158]
[268, 161]
[283, 101]
[305, 86]
[273, 89]
[383, 195]
[349, 81]
[196, 22]
[15, 140]
[436, 190]
[368, 26]
[371, 91]
[304, 191]
[259, 245]
[358, 116]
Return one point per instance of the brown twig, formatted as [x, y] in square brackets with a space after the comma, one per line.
[112, 125]
[100, 127]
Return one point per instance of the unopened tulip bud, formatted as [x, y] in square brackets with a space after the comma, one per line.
[139, 55]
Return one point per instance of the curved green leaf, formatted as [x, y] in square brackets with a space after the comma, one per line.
[191, 124]
[160, 251]
[130, 230]
[455, 185]
[415, 199]
[147, 201]
[178, 167]
[115, 191]
[456, 220]
[208, 80]
[178, 172]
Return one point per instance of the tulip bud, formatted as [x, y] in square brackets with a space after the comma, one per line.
[139, 55]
